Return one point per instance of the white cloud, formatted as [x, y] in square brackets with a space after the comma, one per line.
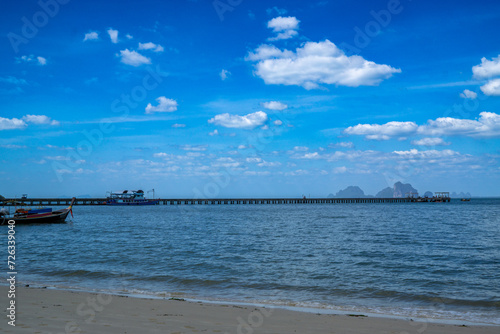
[468, 94]
[313, 156]
[11, 123]
[384, 131]
[177, 125]
[249, 121]
[133, 58]
[266, 51]
[278, 122]
[269, 164]
[314, 63]
[14, 147]
[487, 68]
[194, 147]
[301, 148]
[93, 35]
[492, 88]
[39, 119]
[151, 46]
[344, 144]
[164, 105]
[284, 27]
[430, 142]
[431, 154]
[253, 160]
[224, 74]
[488, 125]
[32, 59]
[129, 36]
[113, 35]
[41, 60]
[214, 133]
[339, 170]
[274, 105]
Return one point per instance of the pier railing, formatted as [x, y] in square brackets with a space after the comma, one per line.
[215, 201]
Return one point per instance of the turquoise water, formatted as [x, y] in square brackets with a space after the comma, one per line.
[426, 260]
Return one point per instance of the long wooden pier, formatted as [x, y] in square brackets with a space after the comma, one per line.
[215, 201]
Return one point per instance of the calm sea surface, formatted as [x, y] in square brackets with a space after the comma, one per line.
[426, 260]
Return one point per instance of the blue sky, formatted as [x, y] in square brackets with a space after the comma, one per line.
[249, 98]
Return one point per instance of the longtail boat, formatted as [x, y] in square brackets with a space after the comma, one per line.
[37, 216]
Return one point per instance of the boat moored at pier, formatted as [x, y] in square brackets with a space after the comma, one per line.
[129, 197]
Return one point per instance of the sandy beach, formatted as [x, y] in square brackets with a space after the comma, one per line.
[55, 311]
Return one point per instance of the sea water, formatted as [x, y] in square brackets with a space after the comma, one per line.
[436, 261]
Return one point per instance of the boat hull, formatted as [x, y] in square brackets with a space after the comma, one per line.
[56, 217]
[133, 203]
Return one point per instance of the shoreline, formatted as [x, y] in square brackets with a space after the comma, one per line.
[70, 311]
[59, 311]
[303, 307]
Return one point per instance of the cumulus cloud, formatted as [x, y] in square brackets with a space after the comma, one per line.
[430, 154]
[151, 46]
[214, 133]
[253, 160]
[284, 27]
[93, 35]
[133, 58]
[487, 68]
[487, 125]
[278, 122]
[11, 123]
[274, 105]
[41, 60]
[32, 59]
[39, 119]
[16, 123]
[177, 125]
[164, 105]
[249, 121]
[382, 131]
[343, 144]
[316, 63]
[492, 88]
[468, 94]
[224, 74]
[430, 142]
[269, 164]
[113, 35]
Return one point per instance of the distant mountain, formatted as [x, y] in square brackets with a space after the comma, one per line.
[397, 191]
[385, 193]
[428, 194]
[403, 189]
[460, 195]
[351, 192]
